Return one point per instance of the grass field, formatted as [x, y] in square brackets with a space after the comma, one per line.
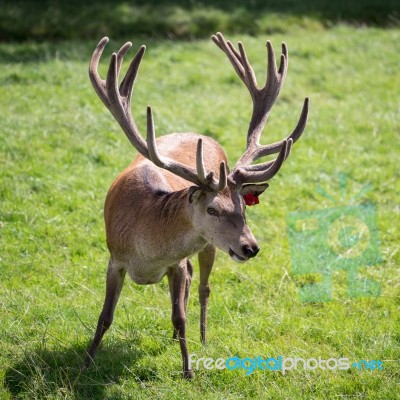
[59, 152]
[182, 19]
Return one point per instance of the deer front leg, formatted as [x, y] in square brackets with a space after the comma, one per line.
[115, 280]
[206, 262]
[178, 279]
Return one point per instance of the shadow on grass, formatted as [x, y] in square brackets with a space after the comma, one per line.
[48, 373]
[187, 19]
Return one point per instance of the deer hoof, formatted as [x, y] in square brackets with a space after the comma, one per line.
[87, 362]
[189, 374]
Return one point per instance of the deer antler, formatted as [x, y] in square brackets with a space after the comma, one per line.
[263, 100]
[118, 101]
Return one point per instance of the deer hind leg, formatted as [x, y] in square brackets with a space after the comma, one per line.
[206, 262]
[179, 280]
[189, 276]
[189, 268]
[115, 280]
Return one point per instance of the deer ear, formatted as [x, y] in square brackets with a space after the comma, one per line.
[253, 188]
[194, 194]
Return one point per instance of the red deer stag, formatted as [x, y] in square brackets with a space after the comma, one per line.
[178, 197]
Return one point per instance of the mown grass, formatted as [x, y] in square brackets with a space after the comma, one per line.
[60, 151]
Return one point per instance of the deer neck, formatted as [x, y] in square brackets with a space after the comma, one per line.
[176, 212]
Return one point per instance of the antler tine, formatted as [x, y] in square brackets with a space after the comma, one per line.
[271, 64]
[154, 154]
[263, 172]
[275, 167]
[251, 81]
[239, 61]
[284, 61]
[301, 124]
[121, 54]
[234, 51]
[231, 53]
[130, 77]
[223, 179]
[97, 82]
[208, 180]
[201, 171]
[295, 135]
[266, 165]
[112, 83]
[276, 76]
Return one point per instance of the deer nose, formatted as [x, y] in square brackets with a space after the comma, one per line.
[250, 251]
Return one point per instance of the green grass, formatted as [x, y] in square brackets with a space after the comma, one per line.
[49, 19]
[60, 151]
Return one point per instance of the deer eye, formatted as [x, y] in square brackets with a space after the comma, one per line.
[211, 211]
